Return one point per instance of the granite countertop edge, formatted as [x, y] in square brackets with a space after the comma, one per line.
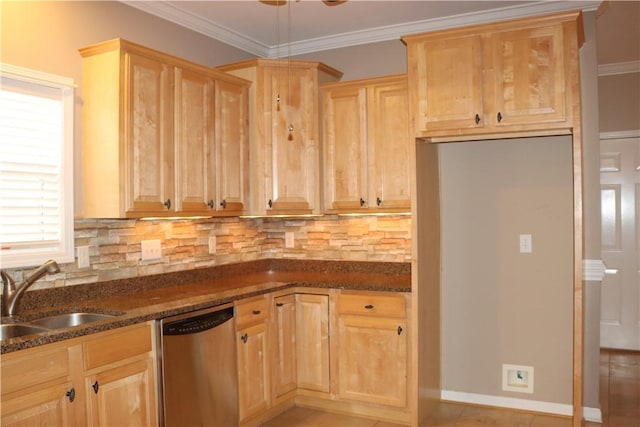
[156, 297]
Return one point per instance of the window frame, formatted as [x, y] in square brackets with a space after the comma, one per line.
[64, 251]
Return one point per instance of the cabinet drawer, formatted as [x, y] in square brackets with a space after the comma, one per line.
[372, 304]
[251, 310]
[26, 368]
[117, 346]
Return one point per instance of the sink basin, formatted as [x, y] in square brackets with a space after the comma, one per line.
[14, 330]
[67, 320]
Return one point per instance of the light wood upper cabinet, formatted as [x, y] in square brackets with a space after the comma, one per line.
[105, 379]
[366, 145]
[502, 78]
[284, 133]
[158, 133]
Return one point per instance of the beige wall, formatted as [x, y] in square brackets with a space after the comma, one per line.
[619, 102]
[501, 306]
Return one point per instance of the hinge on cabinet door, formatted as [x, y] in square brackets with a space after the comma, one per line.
[71, 394]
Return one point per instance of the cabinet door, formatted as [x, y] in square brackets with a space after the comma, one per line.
[48, 405]
[345, 151]
[389, 144]
[373, 360]
[529, 78]
[292, 157]
[253, 376]
[312, 341]
[232, 147]
[284, 347]
[194, 142]
[122, 396]
[148, 139]
[448, 81]
[37, 388]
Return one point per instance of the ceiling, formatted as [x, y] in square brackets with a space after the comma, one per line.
[261, 28]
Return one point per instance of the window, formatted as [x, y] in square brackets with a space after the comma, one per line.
[36, 167]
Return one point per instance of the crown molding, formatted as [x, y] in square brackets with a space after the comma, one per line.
[211, 29]
[618, 68]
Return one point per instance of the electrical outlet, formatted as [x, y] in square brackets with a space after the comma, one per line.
[526, 244]
[151, 250]
[212, 245]
[517, 378]
[83, 257]
[288, 239]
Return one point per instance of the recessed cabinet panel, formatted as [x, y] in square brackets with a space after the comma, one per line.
[149, 142]
[195, 145]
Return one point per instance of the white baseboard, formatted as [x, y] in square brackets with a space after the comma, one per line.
[590, 414]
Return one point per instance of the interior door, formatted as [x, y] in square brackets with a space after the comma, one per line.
[620, 198]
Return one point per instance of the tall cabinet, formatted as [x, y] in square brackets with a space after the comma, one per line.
[162, 136]
[284, 133]
[508, 79]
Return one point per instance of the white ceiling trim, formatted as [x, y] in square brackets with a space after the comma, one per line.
[393, 32]
[619, 68]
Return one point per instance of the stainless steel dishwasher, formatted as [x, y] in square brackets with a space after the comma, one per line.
[199, 385]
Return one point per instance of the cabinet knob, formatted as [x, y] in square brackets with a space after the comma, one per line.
[211, 204]
[223, 204]
[95, 387]
[256, 312]
[244, 338]
[477, 118]
[369, 307]
[399, 330]
[362, 202]
[270, 203]
[71, 394]
[378, 201]
[279, 304]
[499, 117]
[167, 204]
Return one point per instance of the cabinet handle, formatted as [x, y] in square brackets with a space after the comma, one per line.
[244, 338]
[362, 202]
[499, 117]
[270, 203]
[477, 118]
[71, 394]
[368, 307]
[168, 204]
[256, 312]
[399, 330]
[378, 201]
[279, 304]
[211, 204]
[95, 387]
[223, 204]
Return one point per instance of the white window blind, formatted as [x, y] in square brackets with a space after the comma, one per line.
[36, 171]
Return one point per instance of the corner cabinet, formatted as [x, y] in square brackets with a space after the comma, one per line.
[366, 144]
[284, 135]
[510, 77]
[105, 379]
[161, 136]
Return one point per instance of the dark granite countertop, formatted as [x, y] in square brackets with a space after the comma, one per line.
[154, 297]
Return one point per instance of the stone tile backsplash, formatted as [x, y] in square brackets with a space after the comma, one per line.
[115, 248]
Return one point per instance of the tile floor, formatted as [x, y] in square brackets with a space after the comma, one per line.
[619, 397]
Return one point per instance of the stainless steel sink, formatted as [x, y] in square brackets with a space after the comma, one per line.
[68, 320]
[14, 330]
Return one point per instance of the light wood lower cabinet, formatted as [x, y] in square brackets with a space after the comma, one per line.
[106, 379]
[372, 351]
[252, 342]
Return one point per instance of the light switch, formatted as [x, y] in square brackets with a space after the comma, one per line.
[83, 257]
[288, 239]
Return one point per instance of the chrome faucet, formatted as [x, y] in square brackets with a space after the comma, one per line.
[11, 293]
